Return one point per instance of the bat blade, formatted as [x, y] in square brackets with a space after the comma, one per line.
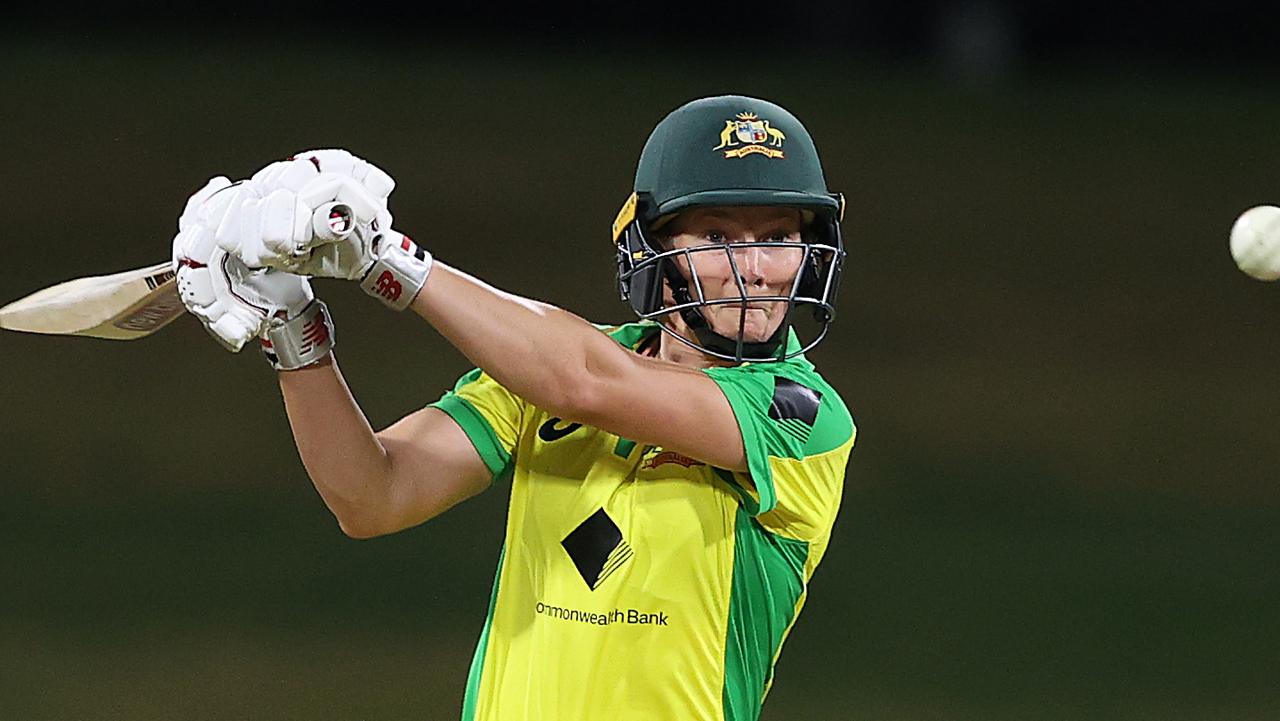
[122, 306]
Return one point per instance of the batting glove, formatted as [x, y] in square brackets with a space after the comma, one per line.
[323, 213]
[236, 303]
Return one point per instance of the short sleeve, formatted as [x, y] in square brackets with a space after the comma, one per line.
[795, 430]
[489, 414]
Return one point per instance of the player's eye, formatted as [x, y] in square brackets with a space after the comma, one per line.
[715, 236]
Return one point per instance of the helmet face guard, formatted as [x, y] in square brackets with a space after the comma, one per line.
[731, 151]
[646, 271]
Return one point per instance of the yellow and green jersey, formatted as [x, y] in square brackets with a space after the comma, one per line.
[636, 583]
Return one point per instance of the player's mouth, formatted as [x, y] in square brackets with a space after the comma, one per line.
[759, 305]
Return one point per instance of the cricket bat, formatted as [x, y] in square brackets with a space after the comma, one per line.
[122, 306]
[132, 304]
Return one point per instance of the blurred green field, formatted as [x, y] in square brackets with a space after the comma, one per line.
[970, 602]
[1063, 500]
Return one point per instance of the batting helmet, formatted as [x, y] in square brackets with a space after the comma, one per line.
[729, 151]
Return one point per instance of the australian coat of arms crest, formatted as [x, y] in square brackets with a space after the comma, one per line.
[747, 134]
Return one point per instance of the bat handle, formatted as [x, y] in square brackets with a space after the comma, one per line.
[332, 222]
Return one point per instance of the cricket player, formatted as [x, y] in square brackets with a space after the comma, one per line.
[673, 481]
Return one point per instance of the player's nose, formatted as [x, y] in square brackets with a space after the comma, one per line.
[750, 264]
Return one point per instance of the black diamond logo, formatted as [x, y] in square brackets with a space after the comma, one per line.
[597, 548]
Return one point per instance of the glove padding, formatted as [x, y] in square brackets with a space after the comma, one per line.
[269, 223]
[234, 302]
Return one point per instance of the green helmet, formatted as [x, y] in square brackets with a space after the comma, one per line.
[729, 150]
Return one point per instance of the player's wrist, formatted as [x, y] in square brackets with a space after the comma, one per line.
[302, 340]
[399, 270]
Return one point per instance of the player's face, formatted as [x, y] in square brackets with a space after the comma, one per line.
[768, 271]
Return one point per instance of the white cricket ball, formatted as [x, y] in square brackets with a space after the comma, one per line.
[1255, 242]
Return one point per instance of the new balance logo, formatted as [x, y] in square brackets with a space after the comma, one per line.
[388, 287]
[314, 333]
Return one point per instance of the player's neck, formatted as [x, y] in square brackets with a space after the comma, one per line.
[672, 350]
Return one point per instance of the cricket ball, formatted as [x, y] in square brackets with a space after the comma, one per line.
[1255, 242]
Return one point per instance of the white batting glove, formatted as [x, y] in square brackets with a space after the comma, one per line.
[272, 222]
[279, 220]
[237, 304]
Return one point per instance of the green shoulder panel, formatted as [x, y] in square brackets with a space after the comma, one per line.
[784, 410]
[804, 403]
[834, 425]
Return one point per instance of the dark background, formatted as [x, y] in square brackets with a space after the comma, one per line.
[1062, 503]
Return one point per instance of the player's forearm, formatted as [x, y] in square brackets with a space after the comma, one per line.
[345, 460]
[544, 354]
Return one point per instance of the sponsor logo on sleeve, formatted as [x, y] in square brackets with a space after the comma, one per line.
[665, 457]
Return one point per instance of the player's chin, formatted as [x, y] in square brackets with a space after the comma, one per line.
[757, 327]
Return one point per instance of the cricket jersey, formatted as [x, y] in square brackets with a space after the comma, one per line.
[638, 584]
